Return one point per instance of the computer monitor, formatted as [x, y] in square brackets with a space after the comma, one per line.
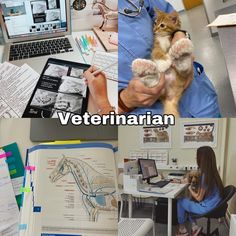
[148, 169]
[23, 19]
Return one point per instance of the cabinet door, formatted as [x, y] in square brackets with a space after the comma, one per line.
[191, 3]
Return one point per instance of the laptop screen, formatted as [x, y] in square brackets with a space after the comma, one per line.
[24, 18]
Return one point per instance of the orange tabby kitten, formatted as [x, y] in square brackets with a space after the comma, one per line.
[175, 61]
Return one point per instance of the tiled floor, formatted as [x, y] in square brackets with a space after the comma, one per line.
[209, 53]
[161, 229]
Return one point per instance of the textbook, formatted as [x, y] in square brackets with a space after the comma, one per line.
[70, 190]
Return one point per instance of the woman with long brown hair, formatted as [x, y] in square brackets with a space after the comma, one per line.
[208, 196]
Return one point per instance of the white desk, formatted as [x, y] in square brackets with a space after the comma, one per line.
[176, 190]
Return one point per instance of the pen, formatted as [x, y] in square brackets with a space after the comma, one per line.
[82, 43]
[83, 51]
[85, 42]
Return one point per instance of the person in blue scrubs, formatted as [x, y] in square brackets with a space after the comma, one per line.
[136, 41]
[208, 196]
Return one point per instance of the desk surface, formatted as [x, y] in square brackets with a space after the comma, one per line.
[176, 190]
[227, 37]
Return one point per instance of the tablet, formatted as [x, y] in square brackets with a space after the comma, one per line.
[61, 88]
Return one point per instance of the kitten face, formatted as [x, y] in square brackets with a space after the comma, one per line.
[166, 23]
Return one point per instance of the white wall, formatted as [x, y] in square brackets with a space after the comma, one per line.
[129, 140]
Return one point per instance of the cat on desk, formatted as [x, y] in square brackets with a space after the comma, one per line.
[173, 60]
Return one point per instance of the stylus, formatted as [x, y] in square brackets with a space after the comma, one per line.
[104, 68]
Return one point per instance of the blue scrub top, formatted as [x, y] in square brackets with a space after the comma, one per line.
[136, 41]
[213, 199]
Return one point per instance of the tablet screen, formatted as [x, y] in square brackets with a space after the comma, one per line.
[61, 88]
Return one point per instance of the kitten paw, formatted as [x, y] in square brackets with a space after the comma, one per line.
[142, 67]
[163, 65]
[180, 48]
[150, 80]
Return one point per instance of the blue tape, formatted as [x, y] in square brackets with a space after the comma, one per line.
[23, 227]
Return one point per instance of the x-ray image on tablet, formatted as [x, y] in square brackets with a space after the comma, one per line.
[61, 88]
[73, 85]
[56, 70]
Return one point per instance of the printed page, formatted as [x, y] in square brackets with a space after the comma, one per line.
[16, 87]
[75, 190]
[9, 213]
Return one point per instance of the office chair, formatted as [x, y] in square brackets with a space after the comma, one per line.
[217, 212]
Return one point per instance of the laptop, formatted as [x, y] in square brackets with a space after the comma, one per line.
[35, 30]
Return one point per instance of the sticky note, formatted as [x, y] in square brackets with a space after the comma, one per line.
[37, 209]
[10, 160]
[7, 154]
[12, 167]
[32, 168]
[12, 172]
[25, 190]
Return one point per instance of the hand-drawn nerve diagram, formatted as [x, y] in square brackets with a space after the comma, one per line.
[97, 191]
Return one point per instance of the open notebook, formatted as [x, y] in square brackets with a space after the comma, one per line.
[70, 189]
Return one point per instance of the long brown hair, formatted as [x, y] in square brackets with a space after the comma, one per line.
[206, 161]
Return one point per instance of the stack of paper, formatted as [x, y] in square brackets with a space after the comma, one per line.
[16, 87]
[9, 213]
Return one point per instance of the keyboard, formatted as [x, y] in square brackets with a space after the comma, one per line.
[149, 189]
[160, 184]
[21, 51]
[104, 59]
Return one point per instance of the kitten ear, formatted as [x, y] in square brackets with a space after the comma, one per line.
[174, 16]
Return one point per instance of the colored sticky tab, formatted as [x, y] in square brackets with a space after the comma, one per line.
[64, 142]
[10, 160]
[32, 168]
[37, 209]
[7, 154]
[11, 167]
[13, 172]
[23, 227]
[25, 190]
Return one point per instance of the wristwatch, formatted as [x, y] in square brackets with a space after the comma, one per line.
[187, 35]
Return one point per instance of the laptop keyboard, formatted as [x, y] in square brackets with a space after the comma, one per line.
[161, 183]
[39, 48]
